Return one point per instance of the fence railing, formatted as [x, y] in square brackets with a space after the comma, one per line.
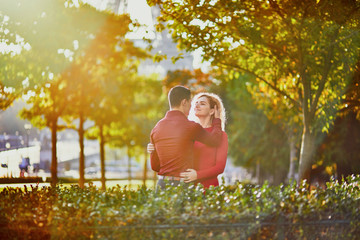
[279, 229]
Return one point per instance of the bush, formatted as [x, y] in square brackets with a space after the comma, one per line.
[225, 212]
[21, 180]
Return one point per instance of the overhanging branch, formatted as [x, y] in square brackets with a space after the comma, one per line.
[325, 74]
[276, 89]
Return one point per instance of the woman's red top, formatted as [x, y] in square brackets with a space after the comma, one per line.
[209, 161]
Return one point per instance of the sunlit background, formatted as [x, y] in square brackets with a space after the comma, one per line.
[26, 147]
[91, 78]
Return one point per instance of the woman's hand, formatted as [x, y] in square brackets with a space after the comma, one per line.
[150, 148]
[216, 112]
[189, 175]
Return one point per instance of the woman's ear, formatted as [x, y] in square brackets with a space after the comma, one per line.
[212, 111]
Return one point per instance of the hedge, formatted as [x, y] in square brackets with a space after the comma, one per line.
[240, 211]
[21, 180]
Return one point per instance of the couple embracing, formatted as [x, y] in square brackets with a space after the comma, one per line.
[189, 148]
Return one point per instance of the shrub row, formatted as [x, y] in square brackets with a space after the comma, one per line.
[226, 212]
[21, 180]
[5, 180]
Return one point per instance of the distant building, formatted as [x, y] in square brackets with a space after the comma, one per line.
[117, 6]
[8, 142]
[162, 44]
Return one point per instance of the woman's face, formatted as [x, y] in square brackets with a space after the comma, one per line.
[202, 107]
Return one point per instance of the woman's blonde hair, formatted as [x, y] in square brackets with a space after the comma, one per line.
[213, 99]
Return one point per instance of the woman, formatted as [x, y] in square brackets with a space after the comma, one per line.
[209, 162]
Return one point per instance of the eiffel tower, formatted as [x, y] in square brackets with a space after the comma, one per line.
[117, 6]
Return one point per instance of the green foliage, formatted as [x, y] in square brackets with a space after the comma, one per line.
[13, 79]
[340, 150]
[301, 53]
[120, 212]
[253, 138]
[41, 39]
[186, 78]
[47, 103]
[87, 67]
[137, 117]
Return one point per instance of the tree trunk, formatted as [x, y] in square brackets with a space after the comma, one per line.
[307, 103]
[102, 157]
[53, 153]
[293, 158]
[258, 172]
[145, 167]
[306, 153]
[129, 165]
[82, 156]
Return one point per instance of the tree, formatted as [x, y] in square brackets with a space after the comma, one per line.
[11, 80]
[17, 76]
[115, 78]
[255, 142]
[39, 39]
[196, 80]
[304, 51]
[277, 111]
[351, 101]
[102, 74]
[48, 34]
[149, 106]
[7, 97]
[47, 106]
[340, 152]
[146, 108]
[114, 100]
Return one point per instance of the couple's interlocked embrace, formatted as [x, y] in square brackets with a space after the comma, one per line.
[189, 144]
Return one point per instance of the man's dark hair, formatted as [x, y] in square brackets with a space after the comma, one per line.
[177, 94]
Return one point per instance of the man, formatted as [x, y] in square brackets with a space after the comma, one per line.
[174, 137]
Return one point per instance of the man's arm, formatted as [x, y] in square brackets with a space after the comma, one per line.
[154, 159]
[213, 138]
